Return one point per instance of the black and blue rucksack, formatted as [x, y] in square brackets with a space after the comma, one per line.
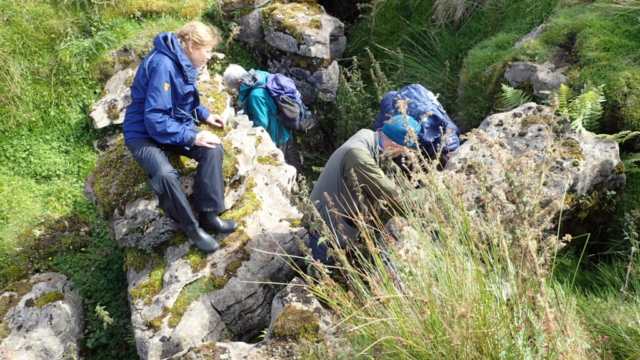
[437, 131]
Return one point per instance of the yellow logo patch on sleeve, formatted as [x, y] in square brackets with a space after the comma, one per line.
[166, 87]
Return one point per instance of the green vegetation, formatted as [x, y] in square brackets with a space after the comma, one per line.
[49, 298]
[294, 323]
[473, 288]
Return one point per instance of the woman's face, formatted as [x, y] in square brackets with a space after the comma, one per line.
[198, 55]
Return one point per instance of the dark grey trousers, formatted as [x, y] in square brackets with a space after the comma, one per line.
[208, 191]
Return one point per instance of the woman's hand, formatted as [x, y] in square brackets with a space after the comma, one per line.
[207, 139]
[216, 120]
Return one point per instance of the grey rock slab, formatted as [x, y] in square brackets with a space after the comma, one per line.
[50, 332]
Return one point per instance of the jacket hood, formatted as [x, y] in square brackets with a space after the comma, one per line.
[252, 79]
[167, 43]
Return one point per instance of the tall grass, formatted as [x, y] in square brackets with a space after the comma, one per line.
[53, 61]
[458, 278]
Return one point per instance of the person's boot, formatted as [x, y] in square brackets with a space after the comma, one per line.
[202, 240]
[209, 220]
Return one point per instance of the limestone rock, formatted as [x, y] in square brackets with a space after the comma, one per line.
[251, 27]
[303, 29]
[527, 137]
[543, 77]
[41, 319]
[300, 41]
[294, 296]
[110, 109]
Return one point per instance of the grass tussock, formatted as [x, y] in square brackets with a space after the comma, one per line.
[453, 279]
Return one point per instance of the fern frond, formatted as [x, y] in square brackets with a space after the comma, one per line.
[620, 137]
[630, 161]
[512, 98]
[565, 97]
[586, 109]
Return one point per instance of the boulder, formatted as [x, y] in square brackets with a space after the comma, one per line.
[41, 319]
[299, 40]
[529, 139]
[542, 78]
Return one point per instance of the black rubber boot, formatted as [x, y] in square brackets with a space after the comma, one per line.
[210, 220]
[202, 240]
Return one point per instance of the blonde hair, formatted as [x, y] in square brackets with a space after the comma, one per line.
[199, 34]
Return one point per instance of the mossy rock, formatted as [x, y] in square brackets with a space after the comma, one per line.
[283, 17]
[294, 323]
[152, 287]
[119, 180]
[191, 293]
[248, 204]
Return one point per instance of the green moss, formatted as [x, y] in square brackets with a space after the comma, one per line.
[21, 288]
[7, 303]
[571, 149]
[315, 24]
[208, 351]
[268, 160]
[294, 323]
[238, 236]
[619, 168]
[229, 164]
[152, 287]
[117, 178]
[196, 259]
[576, 163]
[49, 298]
[247, 205]
[156, 323]
[213, 98]
[191, 293]
[283, 17]
[231, 270]
[294, 222]
[112, 111]
[136, 258]
[129, 81]
[530, 120]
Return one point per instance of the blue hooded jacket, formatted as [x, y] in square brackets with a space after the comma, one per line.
[165, 99]
[261, 109]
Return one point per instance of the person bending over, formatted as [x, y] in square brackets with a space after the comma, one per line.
[162, 117]
[261, 109]
[355, 167]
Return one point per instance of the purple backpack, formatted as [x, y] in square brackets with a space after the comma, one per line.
[291, 109]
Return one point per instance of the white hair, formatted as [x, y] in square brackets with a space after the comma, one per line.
[233, 75]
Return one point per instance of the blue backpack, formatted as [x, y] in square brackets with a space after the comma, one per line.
[425, 108]
[291, 109]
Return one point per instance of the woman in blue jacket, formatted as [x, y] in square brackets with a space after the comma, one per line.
[162, 117]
